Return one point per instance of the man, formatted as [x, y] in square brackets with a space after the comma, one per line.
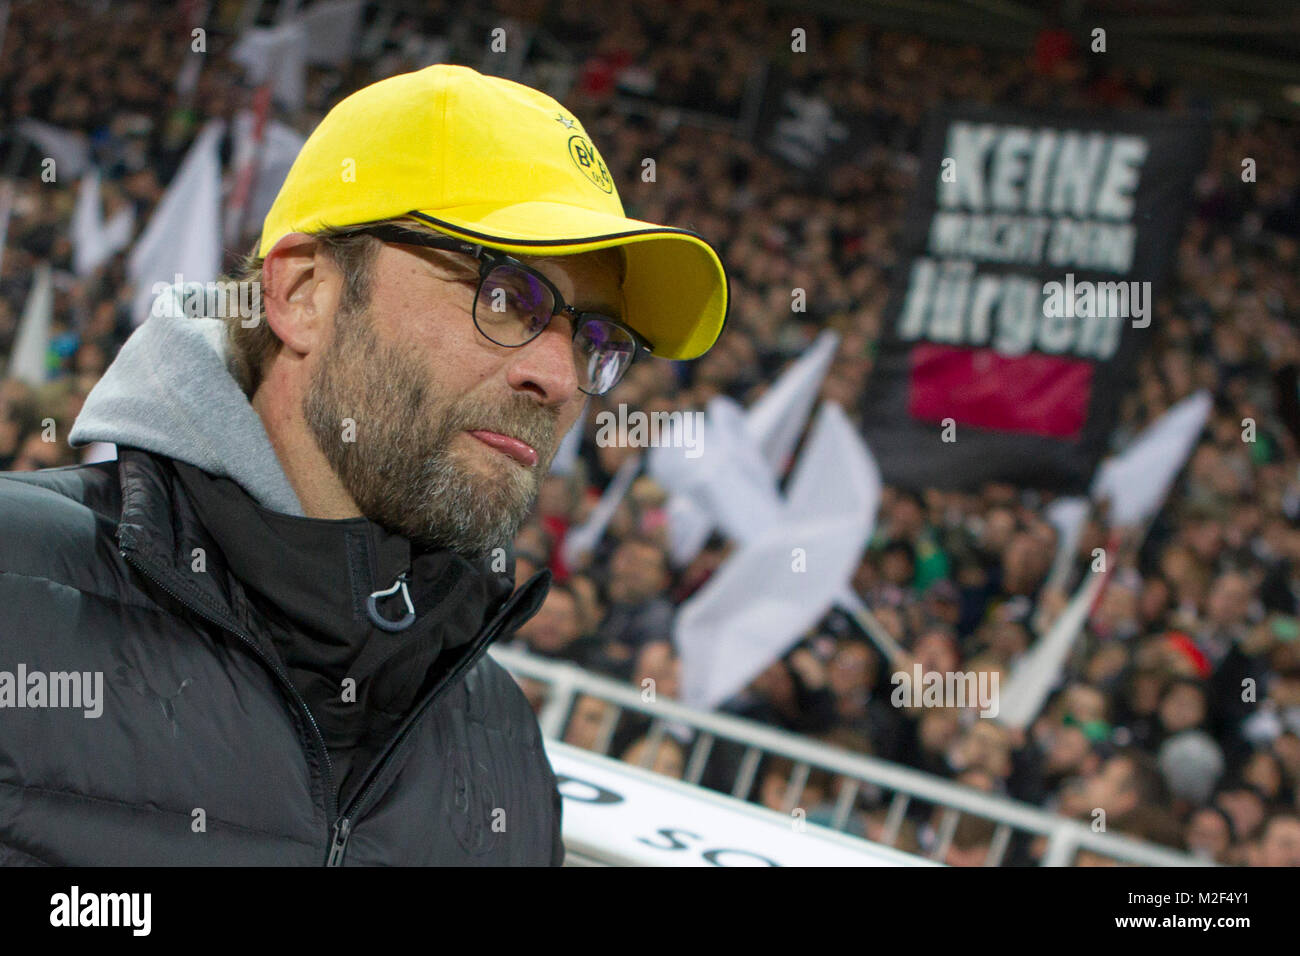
[278, 599]
[556, 630]
[1280, 843]
[1128, 787]
[638, 611]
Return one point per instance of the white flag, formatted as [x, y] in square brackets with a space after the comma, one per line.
[88, 227]
[778, 418]
[774, 423]
[736, 482]
[836, 474]
[119, 229]
[276, 55]
[184, 236]
[689, 527]
[32, 341]
[69, 149]
[1137, 480]
[332, 29]
[1022, 696]
[93, 242]
[783, 580]
[1068, 516]
[724, 473]
[586, 536]
[280, 147]
[725, 467]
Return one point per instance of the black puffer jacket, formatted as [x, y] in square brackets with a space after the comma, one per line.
[205, 751]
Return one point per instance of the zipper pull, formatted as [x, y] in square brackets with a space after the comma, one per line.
[341, 831]
[382, 622]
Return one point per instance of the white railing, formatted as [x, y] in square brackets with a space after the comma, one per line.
[616, 814]
[564, 683]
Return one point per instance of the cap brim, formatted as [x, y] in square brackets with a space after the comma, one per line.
[675, 289]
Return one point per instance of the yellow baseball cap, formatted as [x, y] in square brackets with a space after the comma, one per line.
[504, 166]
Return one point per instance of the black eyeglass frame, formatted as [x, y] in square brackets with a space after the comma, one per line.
[488, 259]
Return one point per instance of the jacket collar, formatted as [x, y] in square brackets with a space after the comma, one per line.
[320, 573]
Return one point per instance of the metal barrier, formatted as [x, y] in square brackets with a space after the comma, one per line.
[565, 683]
[616, 814]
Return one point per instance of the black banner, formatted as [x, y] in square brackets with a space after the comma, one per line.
[1030, 257]
[807, 132]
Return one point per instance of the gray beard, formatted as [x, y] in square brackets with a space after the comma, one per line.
[401, 469]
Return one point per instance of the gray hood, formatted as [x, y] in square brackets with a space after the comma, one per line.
[169, 391]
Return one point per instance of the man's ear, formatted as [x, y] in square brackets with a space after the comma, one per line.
[300, 292]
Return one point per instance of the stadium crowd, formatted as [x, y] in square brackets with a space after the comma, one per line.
[1179, 714]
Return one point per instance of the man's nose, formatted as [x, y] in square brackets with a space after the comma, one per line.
[545, 365]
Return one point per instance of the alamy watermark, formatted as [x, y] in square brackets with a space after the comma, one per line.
[81, 690]
[638, 429]
[221, 299]
[129, 910]
[948, 689]
[1101, 300]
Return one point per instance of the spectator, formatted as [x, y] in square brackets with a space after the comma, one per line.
[1280, 843]
[637, 611]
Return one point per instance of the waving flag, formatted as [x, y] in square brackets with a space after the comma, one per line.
[788, 573]
[93, 240]
[778, 418]
[32, 342]
[184, 236]
[773, 425]
[1022, 696]
[1137, 481]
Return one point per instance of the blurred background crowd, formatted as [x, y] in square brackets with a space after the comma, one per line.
[1151, 723]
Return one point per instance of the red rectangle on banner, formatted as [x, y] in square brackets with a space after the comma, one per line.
[1026, 394]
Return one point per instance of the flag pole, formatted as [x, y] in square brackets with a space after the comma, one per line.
[241, 198]
[879, 635]
[1059, 574]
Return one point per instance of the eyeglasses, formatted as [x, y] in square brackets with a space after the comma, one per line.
[514, 303]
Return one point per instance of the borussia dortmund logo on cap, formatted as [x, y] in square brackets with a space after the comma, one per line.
[586, 158]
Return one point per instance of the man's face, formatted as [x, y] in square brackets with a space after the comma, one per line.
[1208, 835]
[637, 572]
[1244, 807]
[897, 568]
[850, 670]
[1182, 708]
[1067, 750]
[555, 625]
[417, 378]
[1229, 599]
[935, 652]
[1109, 789]
[658, 662]
[1281, 843]
[586, 723]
